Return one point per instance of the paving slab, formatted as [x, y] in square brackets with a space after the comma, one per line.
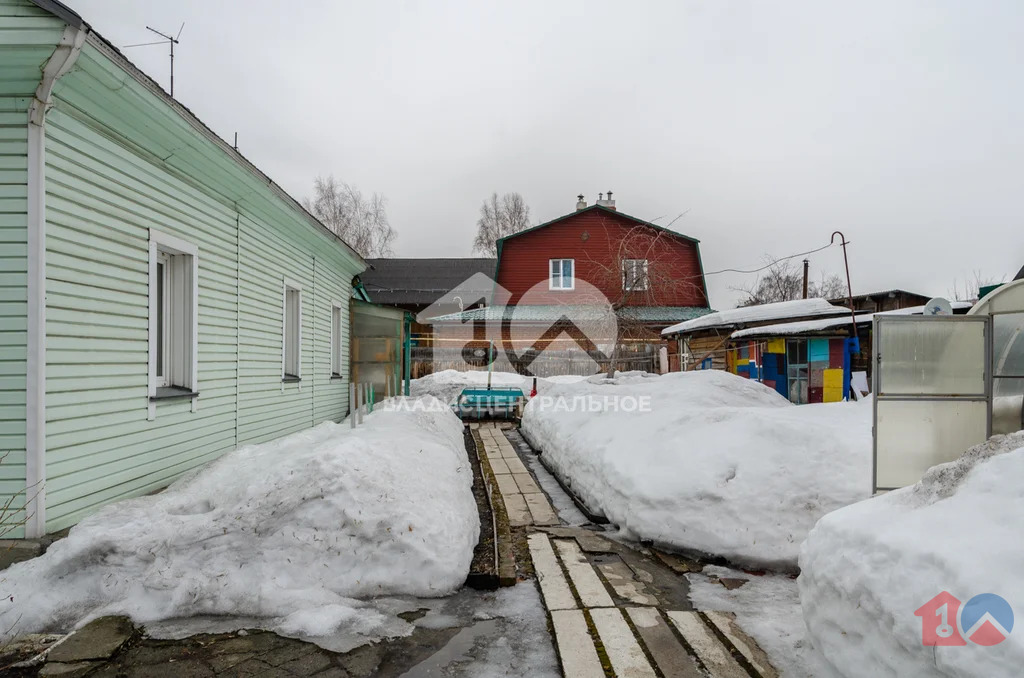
[499, 466]
[670, 656]
[627, 658]
[678, 564]
[556, 592]
[526, 483]
[540, 509]
[575, 646]
[726, 623]
[507, 484]
[588, 585]
[711, 652]
[99, 639]
[71, 670]
[517, 509]
[515, 465]
[625, 585]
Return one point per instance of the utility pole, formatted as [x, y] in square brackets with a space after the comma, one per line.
[807, 264]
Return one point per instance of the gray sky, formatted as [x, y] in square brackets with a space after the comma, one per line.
[772, 123]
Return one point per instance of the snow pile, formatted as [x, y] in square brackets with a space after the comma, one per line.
[291, 531]
[446, 385]
[767, 608]
[867, 568]
[713, 463]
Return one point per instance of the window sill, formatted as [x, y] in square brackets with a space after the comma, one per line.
[290, 379]
[173, 392]
[337, 377]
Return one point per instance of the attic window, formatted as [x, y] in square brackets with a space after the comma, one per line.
[561, 274]
[634, 275]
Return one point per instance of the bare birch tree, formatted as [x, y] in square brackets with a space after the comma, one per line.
[640, 268]
[499, 217]
[360, 221]
[784, 281]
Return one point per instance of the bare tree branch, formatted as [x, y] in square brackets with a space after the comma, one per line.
[784, 281]
[360, 221]
[499, 217]
[639, 269]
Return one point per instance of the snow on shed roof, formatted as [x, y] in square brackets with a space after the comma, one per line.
[799, 308]
[807, 326]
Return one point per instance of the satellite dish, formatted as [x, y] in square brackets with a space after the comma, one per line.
[938, 306]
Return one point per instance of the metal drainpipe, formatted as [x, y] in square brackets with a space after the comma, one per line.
[62, 59]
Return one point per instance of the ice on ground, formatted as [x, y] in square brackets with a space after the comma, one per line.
[302, 532]
[867, 568]
[767, 608]
[704, 461]
[448, 384]
[505, 634]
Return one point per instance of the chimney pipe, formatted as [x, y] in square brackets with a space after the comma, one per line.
[581, 204]
[807, 264]
[606, 202]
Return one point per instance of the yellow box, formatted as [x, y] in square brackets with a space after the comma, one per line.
[776, 346]
[833, 379]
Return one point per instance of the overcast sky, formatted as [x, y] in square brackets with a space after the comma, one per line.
[770, 124]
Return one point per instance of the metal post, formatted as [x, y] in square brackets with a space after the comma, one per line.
[351, 402]
[854, 344]
[807, 264]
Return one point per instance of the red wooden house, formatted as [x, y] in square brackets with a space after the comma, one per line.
[589, 261]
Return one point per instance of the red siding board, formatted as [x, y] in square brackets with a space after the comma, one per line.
[591, 239]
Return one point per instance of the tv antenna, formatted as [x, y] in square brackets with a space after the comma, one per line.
[166, 39]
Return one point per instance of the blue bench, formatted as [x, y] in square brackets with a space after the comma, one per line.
[491, 402]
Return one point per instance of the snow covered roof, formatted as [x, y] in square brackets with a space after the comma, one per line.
[799, 308]
[808, 326]
[552, 312]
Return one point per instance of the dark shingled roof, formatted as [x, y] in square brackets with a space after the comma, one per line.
[419, 282]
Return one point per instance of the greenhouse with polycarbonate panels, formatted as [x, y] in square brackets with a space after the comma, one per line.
[945, 383]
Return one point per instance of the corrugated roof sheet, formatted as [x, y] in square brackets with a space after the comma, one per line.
[798, 308]
[551, 313]
[419, 281]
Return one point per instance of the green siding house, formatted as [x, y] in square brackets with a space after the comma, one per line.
[162, 301]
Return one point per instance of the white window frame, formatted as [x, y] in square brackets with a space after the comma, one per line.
[336, 336]
[628, 264]
[289, 285]
[561, 277]
[165, 247]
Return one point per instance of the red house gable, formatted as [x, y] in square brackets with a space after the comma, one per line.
[599, 240]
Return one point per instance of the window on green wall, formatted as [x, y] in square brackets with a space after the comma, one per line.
[291, 363]
[173, 310]
[336, 339]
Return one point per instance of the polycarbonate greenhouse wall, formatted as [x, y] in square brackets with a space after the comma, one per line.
[945, 383]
